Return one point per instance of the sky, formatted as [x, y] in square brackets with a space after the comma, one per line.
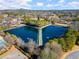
[39, 4]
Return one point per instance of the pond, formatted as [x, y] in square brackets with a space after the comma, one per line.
[74, 55]
[26, 32]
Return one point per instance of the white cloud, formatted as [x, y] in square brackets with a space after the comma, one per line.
[15, 4]
[49, 5]
[61, 1]
[40, 4]
[25, 1]
[49, 0]
[25, 7]
[1, 0]
[27, 4]
[73, 3]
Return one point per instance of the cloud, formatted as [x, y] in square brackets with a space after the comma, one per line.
[15, 4]
[49, 5]
[40, 4]
[24, 1]
[49, 0]
[32, 4]
[73, 3]
[61, 1]
[26, 8]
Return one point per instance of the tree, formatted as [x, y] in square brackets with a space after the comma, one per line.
[55, 40]
[20, 43]
[77, 41]
[52, 50]
[70, 40]
[44, 54]
[63, 44]
[31, 46]
[56, 47]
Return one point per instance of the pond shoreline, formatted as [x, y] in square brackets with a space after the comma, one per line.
[14, 27]
[35, 27]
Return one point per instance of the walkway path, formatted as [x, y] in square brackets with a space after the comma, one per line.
[75, 48]
[61, 24]
[15, 27]
[13, 53]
